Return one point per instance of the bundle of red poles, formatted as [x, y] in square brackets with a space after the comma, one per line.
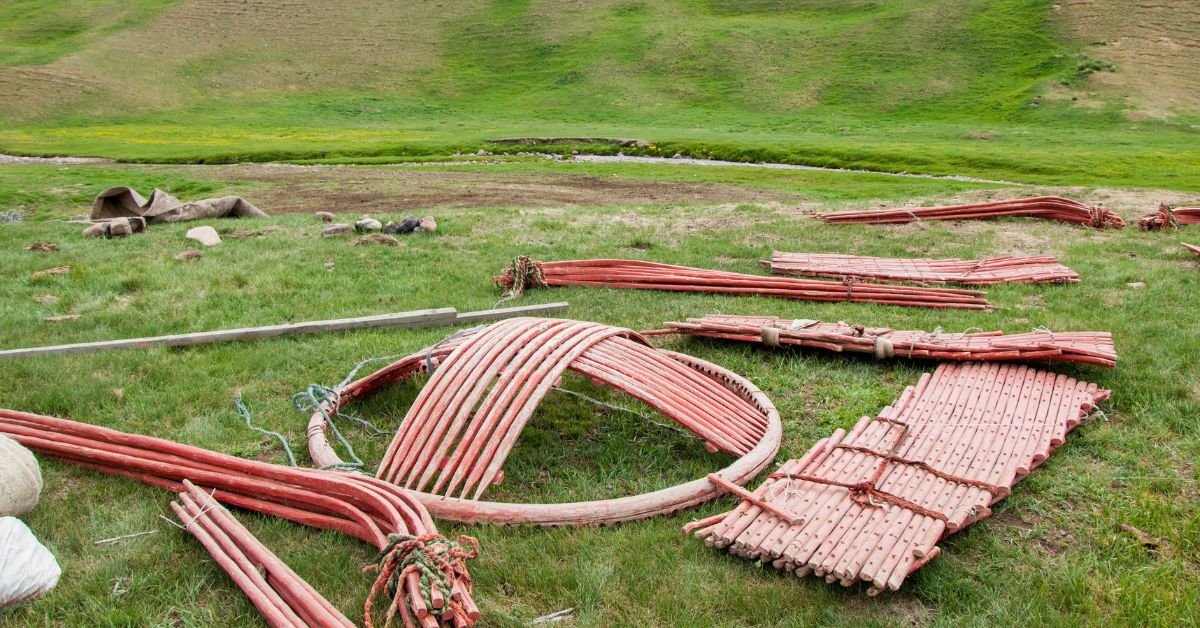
[424, 572]
[466, 420]
[1165, 216]
[485, 384]
[1046, 207]
[283, 598]
[612, 273]
[872, 504]
[965, 272]
[993, 346]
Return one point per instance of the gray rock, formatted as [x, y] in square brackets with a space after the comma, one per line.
[367, 224]
[408, 225]
[428, 224]
[205, 235]
[336, 230]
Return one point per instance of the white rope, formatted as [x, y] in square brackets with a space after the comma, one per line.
[884, 348]
[208, 505]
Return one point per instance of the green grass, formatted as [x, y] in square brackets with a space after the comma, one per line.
[944, 87]
[1051, 555]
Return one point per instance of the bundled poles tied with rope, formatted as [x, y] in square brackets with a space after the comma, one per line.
[963, 272]
[283, 598]
[1167, 217]
[1045, 207]
[485, 385]
[613, 273]
[424, 573]
[1089, 347]
[870, 505]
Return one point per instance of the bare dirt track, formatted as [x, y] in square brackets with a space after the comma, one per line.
[283, 189]
[290, 189]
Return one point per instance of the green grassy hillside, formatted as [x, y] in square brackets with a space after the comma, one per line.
[1013, 89]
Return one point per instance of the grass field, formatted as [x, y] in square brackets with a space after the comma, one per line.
[1022, 90]
[1051, 554]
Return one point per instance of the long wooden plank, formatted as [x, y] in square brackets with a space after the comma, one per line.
[417, 318]
[510, 312]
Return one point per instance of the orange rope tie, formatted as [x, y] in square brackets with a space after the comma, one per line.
[863, 492]
[950, 477]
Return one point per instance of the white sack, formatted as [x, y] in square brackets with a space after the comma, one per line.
[27, 568]
[20, 479]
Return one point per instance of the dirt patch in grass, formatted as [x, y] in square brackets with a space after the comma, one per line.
[904, 609]
[1013, 521]
[365, 190]
[696, 221]
[1051, 539]
[1055, 542]
[249, 233]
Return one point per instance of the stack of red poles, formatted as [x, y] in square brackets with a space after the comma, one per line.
[283, 598]
[461, 428]
[1046, 207]
[611, 273]
[1164, 217]
[872, 504]
[357, 505]
[1084, 347]
[964, 272]
[485, 383]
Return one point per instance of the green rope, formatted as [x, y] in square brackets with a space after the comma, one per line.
[318, 398]
[432, 555]
[245, 412]
[524, 273]
[354, 371]
[314, 399]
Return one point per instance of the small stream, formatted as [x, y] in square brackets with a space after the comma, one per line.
[595, 159]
